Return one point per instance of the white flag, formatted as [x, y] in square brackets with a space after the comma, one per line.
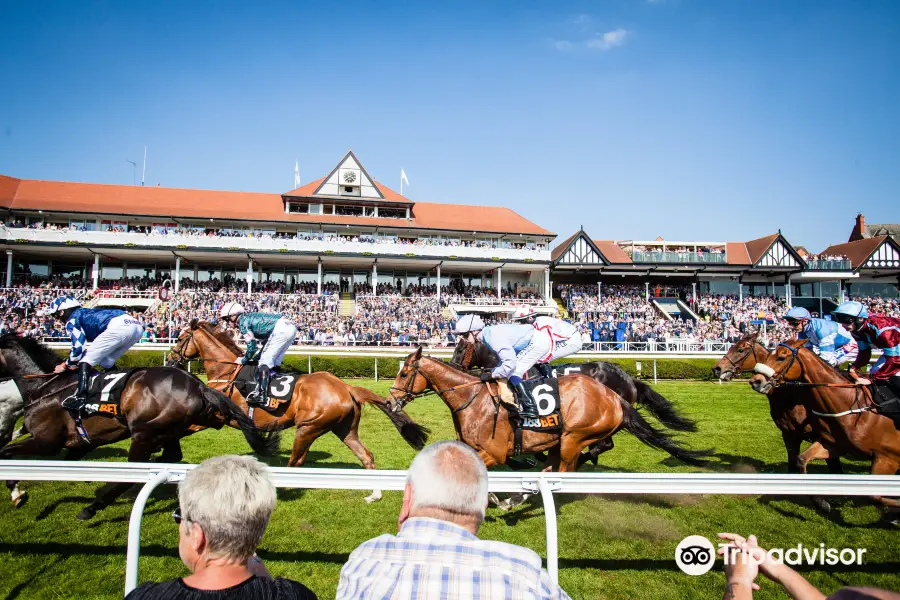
[296, 173]
[403, 177]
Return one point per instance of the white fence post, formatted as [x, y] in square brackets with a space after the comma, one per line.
[376, 369]
[133, 550]
[550, 520]
[654, 372]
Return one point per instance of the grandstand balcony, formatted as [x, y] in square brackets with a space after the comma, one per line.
[680, 257]
[326, 245]
[829, 264]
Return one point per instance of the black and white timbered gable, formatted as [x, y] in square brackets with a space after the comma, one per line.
[580, 250]
[780, 255]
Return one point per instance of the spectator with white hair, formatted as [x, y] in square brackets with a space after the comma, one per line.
[436, 553]
[224, 507]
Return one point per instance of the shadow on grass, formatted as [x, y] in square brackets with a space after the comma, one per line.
[19, 588]
[834, 516]
[51, 508]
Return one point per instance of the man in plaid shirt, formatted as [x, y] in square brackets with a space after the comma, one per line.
[436, 554]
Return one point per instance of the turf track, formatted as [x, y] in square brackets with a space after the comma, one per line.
[610, 547]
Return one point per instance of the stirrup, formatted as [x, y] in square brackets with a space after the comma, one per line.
[67, 403]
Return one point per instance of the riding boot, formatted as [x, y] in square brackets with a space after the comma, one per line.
[527, 406]
[545, 370]
[260, 395]
[77, 401]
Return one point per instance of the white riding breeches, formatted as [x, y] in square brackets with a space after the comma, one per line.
[564, 348]
[538, 348]
[281, 338]
[122, 333]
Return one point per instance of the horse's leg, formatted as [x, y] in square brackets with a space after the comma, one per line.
[303, 439]
[792, 447]
[33, 446]
[171, 452]
[815, 452]
[18, 497]
[885, 465]
[142, 448]
[520, 498]
[350, 436]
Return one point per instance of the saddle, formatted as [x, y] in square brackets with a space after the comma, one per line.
[545, 392]
[887, 400]
[281, 386]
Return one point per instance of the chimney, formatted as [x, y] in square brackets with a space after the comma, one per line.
[859, 230]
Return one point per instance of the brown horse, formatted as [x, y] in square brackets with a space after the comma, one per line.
[841, 416]
[158, 407]
[320, 403]
[590, 413]
[788, 407]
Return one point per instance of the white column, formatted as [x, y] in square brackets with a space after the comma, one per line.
[374, 279]
[740, 291]
[177, 273]
[124, 271]
[499, 282]
[249, 275]
[647, 291]
[841, 292]
[694, 291]
[439, 284]
[548, 291]
[96, 273]
[599, 291]
[319, 280]
[196, 273]
[787, 291]
[9, 267]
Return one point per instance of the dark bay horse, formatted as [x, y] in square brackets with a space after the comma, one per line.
[590, 412]
[841, 414]
[158, 406]
[633, 391]
[320, 403]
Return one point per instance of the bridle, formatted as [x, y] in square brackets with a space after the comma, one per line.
[178, 349]
[736, 364]
[778, 378]
[409, 395]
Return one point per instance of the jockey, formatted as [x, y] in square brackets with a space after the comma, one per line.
[565, 338]
[870, 331]
[111, 331]
[276, 333]
[513, 344]
[828, 339]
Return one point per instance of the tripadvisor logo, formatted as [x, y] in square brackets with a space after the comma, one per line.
[696, 555]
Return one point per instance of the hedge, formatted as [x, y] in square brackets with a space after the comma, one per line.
[364, 367]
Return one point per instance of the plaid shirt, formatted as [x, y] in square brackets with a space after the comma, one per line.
[430, 558]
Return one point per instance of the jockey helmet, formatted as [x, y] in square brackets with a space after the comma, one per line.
[523, 312]
[231, 309]
[798, 313]
[851, 311]
[61, 304]
[469, 323]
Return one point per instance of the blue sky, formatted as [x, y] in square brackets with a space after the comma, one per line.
[691, 120]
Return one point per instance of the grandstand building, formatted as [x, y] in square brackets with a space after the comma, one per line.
[343, 227]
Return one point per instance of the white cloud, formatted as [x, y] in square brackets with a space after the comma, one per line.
[609, 40]
[582, 20]
[563, 45]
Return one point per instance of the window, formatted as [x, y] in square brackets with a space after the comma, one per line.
[315, 209]
[328, 209]
[368, 211]
[82, 225]
[349, 211]
[298, 208]
[392, 213]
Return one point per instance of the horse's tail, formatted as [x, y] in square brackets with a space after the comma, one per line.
[415, 435]
[635, 424]
[263, 442]
[661, 408]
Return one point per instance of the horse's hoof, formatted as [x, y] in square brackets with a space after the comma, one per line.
[86, 515]
[493, 500]
[515, 500]
[20, 500]
[822, 504]
[374, 497]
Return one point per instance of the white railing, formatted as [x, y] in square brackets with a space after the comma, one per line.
[545, 484]
[504, 300]
[137, 294]
[322, 246]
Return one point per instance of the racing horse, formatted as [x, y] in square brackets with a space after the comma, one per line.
[590, 412]
[158, 406]
[788, 407]
[320, 402]
[633, 391]
[842, 417]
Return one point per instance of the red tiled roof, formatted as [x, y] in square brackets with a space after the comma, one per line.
[612, 251]
[62, 196]
[857, 251]
[736, 253]
[307, 191]
[756, 248]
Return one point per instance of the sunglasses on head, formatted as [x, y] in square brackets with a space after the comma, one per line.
[176, 515]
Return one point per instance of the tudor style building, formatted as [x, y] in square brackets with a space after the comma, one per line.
[345, 225]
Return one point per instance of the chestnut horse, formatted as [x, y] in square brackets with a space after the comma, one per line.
[787, 407]
[842, 415]
[158, 407]
[590, 413]
[320, 403]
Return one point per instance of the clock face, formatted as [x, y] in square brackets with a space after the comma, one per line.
[349, 177]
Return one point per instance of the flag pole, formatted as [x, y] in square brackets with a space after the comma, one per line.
[144, 170]
[401, 182]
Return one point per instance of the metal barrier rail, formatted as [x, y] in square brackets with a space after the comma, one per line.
[545, 484]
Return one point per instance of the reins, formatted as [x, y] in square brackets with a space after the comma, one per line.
[409, 395]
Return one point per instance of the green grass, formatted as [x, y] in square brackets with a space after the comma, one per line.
[610, 546]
